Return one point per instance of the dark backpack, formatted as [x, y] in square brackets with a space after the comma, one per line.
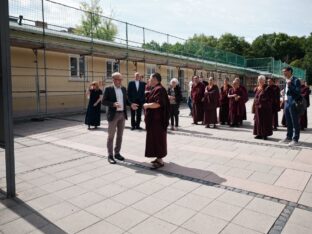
[300, 106]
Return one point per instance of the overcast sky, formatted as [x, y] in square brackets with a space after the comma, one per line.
[184, 18]
[247, 18]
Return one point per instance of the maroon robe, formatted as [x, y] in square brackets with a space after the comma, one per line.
[263, 112]
[197, 94]
[236, 111]
[211, 102]
[305, 93]
[275, 90]
[148, 90]
[244, 98]
[224, 105]
[157, 121]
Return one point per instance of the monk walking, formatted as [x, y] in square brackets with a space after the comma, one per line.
[305, 93]
[211, 102]
[224, 102]
[244, 99]
[198, 91]
[275, 90]
[263, 110]
[236, 111]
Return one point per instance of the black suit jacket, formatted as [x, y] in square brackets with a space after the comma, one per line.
[109, 98]
[134, 95]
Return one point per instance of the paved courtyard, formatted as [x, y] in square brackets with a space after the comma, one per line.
[215, 181]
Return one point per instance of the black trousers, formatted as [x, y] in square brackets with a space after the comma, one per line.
[174, 114]
[136, 117]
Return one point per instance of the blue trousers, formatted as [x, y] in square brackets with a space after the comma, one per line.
[189, 102]
[292, 120]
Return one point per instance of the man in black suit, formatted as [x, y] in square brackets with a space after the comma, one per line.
[136, 94]
[115, 97]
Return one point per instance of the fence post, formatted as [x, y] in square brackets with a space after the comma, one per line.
[144, 65]
[6, 113]
[37, 83]
[127, 61]
[44, 59]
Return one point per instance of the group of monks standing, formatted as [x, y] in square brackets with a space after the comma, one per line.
[206, 98]
[231, 101]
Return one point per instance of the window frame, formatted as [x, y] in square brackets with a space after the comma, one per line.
[112, 65]
[150, 67]
[79, 76]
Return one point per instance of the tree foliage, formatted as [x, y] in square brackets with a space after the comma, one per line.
[93, 24]
[234, 44]
[296, 51]
[280, 46]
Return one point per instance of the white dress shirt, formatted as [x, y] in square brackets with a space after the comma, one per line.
[137, 83]
[190, 86]
[286, 89]
[119, 96]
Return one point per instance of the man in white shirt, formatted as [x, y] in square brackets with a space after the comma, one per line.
[115, 97]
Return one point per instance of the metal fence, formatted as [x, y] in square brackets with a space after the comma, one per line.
[38, 80]
[273, 66]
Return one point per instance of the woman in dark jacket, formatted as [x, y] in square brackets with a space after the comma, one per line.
[93, 116]
[175, 97]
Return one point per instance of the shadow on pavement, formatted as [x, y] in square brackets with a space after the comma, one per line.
[33, 217]
[175, 170]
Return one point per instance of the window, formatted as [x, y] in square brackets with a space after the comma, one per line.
[81, 66]
[73, 66]
[111, 67]
[150, 69]
[181, 79]
[77, 66]
[170, 73]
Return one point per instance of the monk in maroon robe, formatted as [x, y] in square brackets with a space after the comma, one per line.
[244, 98]
[148, 89]
[275, 90]
[211, 103]
[224, 102]
[157, 120]
[236, 111]
[198, 91]
[305, 93]
[263, 110]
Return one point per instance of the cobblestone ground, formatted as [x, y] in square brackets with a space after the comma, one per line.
[215, 181]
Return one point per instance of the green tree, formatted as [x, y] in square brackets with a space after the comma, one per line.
[234, 44]
[206, 41]
[297, 63]
[93, 24]
[278, 45]
[153, 45]
[307, 60]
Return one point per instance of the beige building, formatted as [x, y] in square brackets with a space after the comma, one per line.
[52, 79]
